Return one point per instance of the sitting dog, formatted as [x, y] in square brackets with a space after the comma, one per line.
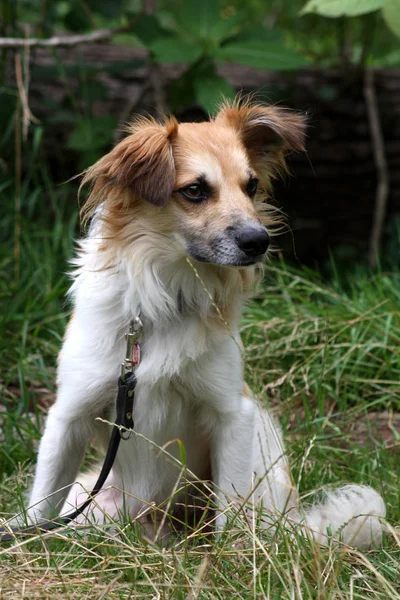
[178, 233]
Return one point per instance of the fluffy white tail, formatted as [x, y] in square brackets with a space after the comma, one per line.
[350, 514]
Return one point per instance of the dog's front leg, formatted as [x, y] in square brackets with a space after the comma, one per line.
[232, 456]
[60, 454]
[82, 396]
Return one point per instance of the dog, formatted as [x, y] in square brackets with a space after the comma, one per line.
[178, 233]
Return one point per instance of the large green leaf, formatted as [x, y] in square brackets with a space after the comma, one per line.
[224, 27]
[261, 55]
[342, 8]
[391, 14]
[198, 18]
[175, 50]
[204, 22]
[210, 90]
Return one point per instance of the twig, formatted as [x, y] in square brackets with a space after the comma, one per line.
[382, 190]
[100, 35]
[23, 87]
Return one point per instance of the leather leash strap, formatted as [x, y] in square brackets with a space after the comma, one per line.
[123, 423]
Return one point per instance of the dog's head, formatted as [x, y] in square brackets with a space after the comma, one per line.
[203, 183]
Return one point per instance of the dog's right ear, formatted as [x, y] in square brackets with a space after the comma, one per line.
[267, 133]
[262, 128]
[142, 162]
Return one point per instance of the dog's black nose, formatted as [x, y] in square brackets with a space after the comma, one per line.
[253, 241]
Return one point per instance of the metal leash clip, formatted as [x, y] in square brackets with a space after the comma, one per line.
[127, 380]
[132, 356]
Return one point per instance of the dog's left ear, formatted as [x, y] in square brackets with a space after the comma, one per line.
[142, 163]
[265, 129]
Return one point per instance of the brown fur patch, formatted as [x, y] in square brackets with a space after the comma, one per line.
[264, 126]
[142, 162]
[267, 132]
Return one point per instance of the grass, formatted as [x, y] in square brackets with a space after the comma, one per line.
[325, 356]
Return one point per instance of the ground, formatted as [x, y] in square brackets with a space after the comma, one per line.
[324, 356]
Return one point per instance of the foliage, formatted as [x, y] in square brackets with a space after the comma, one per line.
[388, 11]
[205, 34]
[391, 14]
[199, 36]
[336, 342]
[343, 8]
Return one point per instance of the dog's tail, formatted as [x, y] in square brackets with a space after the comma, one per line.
[351, 514]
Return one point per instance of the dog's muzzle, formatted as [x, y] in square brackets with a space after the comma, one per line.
[238, 246]
[252, 241]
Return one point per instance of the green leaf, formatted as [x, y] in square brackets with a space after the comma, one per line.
[92, 134]
[197, 19]
[391, 15]
[210, 90]
[203, 22]
[225, 27]
[148, 29]
[342, 8]
[262, 55]
[175, 50]
[199, 84]
[259, 33]
[391, 59]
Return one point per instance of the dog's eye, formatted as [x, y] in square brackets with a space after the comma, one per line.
[196, 192]
[251, 187]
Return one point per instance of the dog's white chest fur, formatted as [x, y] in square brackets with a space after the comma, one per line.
[189, 377]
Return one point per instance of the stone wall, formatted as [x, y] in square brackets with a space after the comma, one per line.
[331, 197]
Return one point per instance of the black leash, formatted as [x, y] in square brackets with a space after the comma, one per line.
[123, 423]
